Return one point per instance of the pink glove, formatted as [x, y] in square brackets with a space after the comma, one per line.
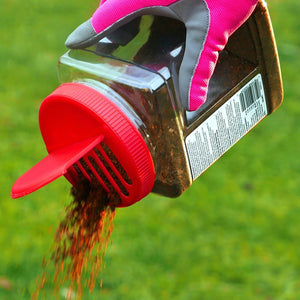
[209, 23]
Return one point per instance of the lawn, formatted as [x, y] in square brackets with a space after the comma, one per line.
[233, 235]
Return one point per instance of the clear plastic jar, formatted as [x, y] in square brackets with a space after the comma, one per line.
[137, 68]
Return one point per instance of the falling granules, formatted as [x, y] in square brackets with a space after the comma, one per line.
[81, 239]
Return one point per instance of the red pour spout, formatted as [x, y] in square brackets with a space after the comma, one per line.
[78, 123]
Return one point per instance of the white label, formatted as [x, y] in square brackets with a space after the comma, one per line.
[226, 126]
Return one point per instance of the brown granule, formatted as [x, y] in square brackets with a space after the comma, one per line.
[82, 237]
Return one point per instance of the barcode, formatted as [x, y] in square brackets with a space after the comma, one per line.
[250, 94]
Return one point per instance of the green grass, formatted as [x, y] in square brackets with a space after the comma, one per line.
[233, 235]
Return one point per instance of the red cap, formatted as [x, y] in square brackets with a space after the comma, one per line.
[82, 128]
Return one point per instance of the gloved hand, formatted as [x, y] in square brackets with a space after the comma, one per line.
[209, 23]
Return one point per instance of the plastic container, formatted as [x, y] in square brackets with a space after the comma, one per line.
[120, 97]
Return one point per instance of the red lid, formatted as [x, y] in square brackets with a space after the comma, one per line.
[83, 129]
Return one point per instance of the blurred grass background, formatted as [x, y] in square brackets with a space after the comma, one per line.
[234, 235]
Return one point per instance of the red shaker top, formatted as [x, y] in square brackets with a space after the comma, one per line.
[83, 129]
